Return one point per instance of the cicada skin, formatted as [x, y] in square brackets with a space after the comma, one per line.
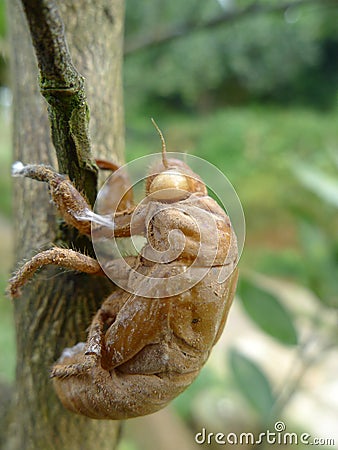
[143, 349]
[165, 352]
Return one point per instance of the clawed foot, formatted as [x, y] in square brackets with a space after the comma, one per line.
[77, 353]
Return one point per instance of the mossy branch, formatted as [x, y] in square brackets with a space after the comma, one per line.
[63, 88]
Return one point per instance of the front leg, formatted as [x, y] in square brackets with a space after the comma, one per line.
[72, 206]
[75, 209]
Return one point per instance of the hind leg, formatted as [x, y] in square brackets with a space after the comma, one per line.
[86, 356]
[82, 357]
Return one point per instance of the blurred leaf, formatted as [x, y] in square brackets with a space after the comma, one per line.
[314, 242]
[268, 313]
[127, 444]
[183, 403]
[252, 382]
[2, 18]
[318, 182]
[321, 262]
[286, 263]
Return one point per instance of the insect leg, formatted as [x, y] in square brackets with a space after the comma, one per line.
[55, 256]
[103, 164]
[73, 207]
[82, 357]
[86, 357]
[116, 193]
[68, 370]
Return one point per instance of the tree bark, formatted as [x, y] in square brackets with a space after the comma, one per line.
[55, 310]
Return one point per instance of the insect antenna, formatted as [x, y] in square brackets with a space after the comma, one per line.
[164, 147]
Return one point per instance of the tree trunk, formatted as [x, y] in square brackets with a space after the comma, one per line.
[55, 309]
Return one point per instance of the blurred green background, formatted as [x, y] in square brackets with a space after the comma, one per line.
[257, 97]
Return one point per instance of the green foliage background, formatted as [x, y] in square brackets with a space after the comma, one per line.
[287, 58]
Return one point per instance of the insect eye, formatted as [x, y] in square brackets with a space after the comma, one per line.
[169, 185]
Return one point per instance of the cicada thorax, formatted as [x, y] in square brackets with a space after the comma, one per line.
[195, 229]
